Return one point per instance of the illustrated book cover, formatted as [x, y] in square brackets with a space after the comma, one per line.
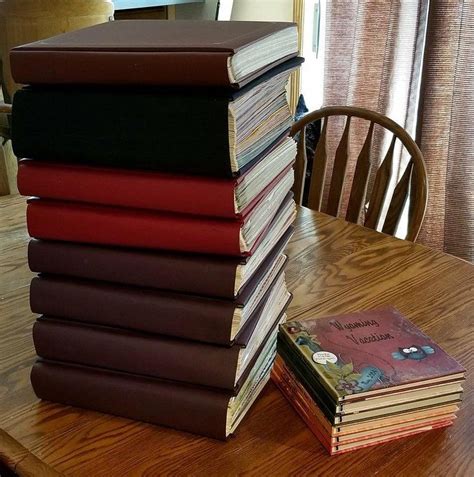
[368, 353]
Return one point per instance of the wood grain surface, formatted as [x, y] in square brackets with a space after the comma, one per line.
[335, 267]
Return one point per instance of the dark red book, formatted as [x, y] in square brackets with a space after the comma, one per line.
[153, 52]
[153, 311]
[227, 198]
[202, 410]
[224, 277]
[193, 362]
[73, 222]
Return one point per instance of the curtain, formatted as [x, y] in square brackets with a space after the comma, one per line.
[445, 131]
[399, 58]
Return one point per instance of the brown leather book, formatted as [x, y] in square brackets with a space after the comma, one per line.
[202, 410]
[153, 52]
[161, 356]
[153, 311]
[205, 275]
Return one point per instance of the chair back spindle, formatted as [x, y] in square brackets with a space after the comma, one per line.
[411, 188]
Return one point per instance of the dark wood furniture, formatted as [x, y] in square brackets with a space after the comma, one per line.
[334, 267]
[412, 185]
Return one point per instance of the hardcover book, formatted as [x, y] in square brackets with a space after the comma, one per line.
[161, 356]
[369, 353]
[205, 275]
[344, 437]
[362, 365]
[104, 225]
[184, 131]
[215, 197]
[151, 52]
[202, 410]
[153, 311]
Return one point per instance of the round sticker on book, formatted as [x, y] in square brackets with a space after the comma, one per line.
[324, 357]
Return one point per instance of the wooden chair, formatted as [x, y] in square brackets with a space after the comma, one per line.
[412, 185]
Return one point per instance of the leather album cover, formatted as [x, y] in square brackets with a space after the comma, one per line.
[148, 52]
[149, 310]
[168, 130]
[198, 409]
[205, 275]
[155, 355]
[195, 195]
[103, 225]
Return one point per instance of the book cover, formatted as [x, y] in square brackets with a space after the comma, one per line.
[300, 399]
[171, 130]
[103, 225]
[372, 432]
[205, 275]
[161, 356]
[198, 409]
[153, 311]
[195, 195]
[151, 52]
[366, 352]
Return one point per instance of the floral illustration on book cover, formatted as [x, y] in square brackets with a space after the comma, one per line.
[367, 350]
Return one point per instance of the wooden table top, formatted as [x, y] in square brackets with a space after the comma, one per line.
[335, 267]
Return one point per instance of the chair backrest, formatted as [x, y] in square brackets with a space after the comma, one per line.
[412, 185]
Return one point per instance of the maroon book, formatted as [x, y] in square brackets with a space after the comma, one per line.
[153, 52]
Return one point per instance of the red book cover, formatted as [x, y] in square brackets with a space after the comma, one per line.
[74, 222]
[369, 351]
[128, 188]
[193, 195]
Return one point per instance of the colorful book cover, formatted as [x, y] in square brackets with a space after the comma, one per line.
[367, 351]
[333, 443]
[375, 427]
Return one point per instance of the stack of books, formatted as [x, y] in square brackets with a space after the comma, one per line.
[366, 378]
[159, 161]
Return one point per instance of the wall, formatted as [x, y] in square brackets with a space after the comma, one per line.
[197, 11]
[265, 10]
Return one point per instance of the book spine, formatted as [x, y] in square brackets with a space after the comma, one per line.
[137, 353]
[183, 407]
[121, 187]
[199, 68]
[146, 310]
[173, 131]
[103, 225]
[175, 272]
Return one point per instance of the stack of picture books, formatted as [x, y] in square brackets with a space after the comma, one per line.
[366, 378]
[158, 158]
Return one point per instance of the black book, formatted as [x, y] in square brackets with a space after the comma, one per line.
[202, 131]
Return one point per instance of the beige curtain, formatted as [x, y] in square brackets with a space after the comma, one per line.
[372, 60]
[374, 57]
[445, 130]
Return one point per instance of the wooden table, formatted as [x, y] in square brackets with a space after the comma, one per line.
[335, 267]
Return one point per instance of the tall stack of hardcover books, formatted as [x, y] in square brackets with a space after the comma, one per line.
[160, 164]
[366, 378]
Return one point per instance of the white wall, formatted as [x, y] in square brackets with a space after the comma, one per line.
[264, 10]
[197, 11]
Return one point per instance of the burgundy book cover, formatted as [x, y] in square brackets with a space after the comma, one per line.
[143, 309]
[102, 225]
[205, 275]
[152, 355]
[195, 409]
[143, 52]
[374, 351]
[193, 195]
